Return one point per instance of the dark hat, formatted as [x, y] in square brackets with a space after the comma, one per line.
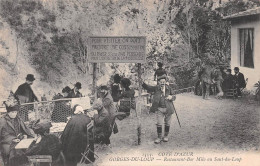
[229, 70]
[125, 82]
[66, 89]
[103, 87]
[78, 85]
[40, 126]
[117, 78]
[12, 108]
[11, 104]
[30, 77]
[160, 64]
[162, 77]
[236, 68]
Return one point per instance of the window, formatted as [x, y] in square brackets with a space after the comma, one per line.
[246, 39]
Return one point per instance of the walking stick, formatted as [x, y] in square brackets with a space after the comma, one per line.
[177, 118]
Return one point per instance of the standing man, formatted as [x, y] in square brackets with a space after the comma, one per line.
[206, 80]
[108, 104]
[162, 106]
[240, 81]
[24, 92]
[74, 93]
[159, 72]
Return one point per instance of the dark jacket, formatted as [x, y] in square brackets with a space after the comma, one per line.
[8, 132]
[25, 94]
[75, 137]
[108, 103]
[72, 94]
[128, 93]
[157, 95]
[228, 82]
[240, 80]
[49, 145]
[102, 123]
[159, 72]
[115, 92]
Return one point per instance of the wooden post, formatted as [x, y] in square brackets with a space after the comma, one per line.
[139, 102]
[94, 92]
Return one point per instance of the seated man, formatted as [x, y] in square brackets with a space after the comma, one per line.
[103, 127]
[12, 129]
[228, 82]
[45, 143]
[239, 81]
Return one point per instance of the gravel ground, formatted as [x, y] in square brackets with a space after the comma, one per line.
[215, 125]
[227, 125]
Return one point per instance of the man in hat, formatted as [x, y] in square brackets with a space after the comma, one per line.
[108, 103]
[24, 92]
[74, 93]
[160, 71]
[163, 106]
[107, 100]
[12, 128]
[239, 81]
[102, 121]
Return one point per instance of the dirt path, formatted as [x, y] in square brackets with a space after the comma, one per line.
[211, 125]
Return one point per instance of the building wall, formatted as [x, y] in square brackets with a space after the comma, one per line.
[253, 75]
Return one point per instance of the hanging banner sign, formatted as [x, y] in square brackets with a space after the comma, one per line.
[122, 49]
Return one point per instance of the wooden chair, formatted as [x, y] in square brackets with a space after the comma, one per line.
[35, 160]
[231, 93]
[91, 137]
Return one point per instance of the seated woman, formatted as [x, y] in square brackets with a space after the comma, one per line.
[103, 128]
[75, 137]
[45, 143]
[127, 93]
[12, 129]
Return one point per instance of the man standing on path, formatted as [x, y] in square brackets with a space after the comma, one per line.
[162, 106]
[24, 92]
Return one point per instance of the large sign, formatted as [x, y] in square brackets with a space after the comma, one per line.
[123, 49]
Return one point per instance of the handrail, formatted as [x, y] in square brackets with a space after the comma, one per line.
[40, 102]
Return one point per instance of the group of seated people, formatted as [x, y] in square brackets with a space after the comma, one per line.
[220, 81]
[236, 81]
[74, 139]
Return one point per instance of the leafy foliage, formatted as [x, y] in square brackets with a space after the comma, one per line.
[178, 32]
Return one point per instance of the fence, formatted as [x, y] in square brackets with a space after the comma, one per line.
[54, 110]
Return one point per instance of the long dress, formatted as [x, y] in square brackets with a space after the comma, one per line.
[75, 139]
